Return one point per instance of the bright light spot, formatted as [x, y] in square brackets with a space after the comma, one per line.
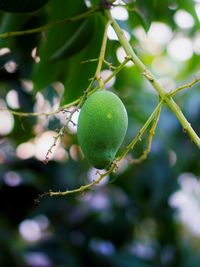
[162, 65]
[197, 8]
[11, 66]
[37, 259]
[143, 250]
[122, 166]
[196, 43]
[27, 85]
[172, 158]
[119, 13]
[104, 75]
[127, 35]
[25, 150]
[75, 152]
[97, 201]
[72, 126]
[184, 19]
[12, 178]
[4, 51]
[119, 2]
[186, 200]
[30, 230]
[93, 174]
[121, 55]
[42, 105]
[6, 122]
[61, 154]
[88, 3]
[160, 33]
[180, 48]
[34, 55]
[111, 33]
[12, 99]
[168, 83]
[43, 144]
[59, 87]
[113, 36]
[103, 247]
[42, 221]
[149, 42]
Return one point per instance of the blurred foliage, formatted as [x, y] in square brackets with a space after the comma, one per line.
[128, 222]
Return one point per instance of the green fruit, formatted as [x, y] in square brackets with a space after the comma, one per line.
[21, 6]
[101, 128]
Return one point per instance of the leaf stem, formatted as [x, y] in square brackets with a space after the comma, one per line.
[83, 187]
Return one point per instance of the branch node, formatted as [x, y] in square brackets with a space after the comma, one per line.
[149, 77]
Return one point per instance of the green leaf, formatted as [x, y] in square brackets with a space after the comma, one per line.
[57, 36]
[77, 75]
[45, 72]
[77, 42]
[19, 6]
[11, 22]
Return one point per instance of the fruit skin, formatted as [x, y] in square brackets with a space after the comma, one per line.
[102, 126]
[21, 6]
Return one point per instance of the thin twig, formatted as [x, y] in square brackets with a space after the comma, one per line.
[83, 187]
[102, 52]
[150, 139]
[73, 103]
[114, 165]
[110, 65]
[89, 60]
[51, 24]
[185, 86]
[60, 134]
[141, 132]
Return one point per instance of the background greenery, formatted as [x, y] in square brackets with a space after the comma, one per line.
[145, 215]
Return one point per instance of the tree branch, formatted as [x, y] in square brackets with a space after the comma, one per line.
[157, 86]
[113, 165]
[66, 106]
[149, 142]
[51, 24]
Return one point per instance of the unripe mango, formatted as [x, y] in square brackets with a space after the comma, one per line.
[102, 126]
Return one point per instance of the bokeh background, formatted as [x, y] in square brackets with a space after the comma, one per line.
[145, 215]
